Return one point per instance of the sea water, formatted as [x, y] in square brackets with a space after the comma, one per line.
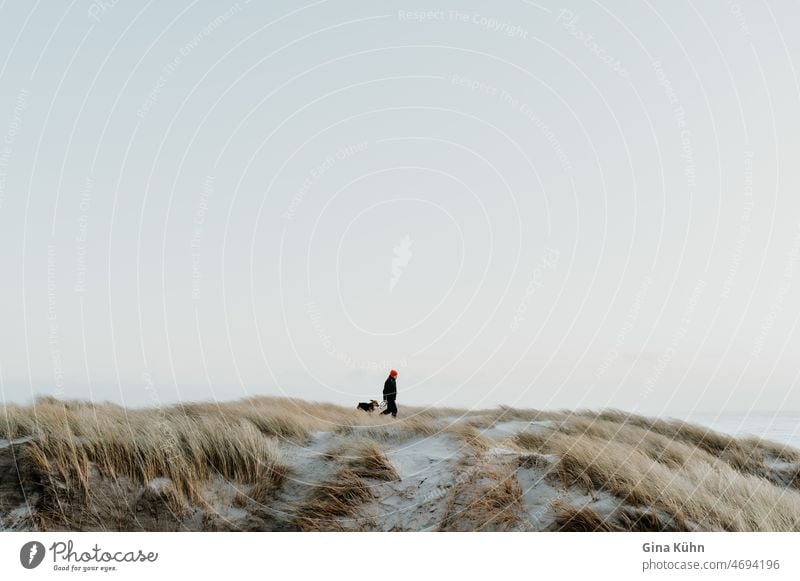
[781, 427]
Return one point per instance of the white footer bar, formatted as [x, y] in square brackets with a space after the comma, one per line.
[417, 556]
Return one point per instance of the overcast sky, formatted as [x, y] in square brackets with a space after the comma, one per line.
[526, 203]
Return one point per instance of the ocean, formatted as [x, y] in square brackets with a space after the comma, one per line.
[781, 427]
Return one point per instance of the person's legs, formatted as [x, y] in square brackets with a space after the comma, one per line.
[392, 407]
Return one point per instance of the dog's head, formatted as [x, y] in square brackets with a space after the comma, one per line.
[374, 404]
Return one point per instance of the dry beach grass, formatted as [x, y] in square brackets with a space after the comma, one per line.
[285, 464]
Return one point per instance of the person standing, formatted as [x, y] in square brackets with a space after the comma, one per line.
[390, 394]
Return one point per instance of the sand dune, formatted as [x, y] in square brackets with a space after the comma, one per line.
[289, 465]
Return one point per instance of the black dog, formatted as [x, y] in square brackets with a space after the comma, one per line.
[369, 406]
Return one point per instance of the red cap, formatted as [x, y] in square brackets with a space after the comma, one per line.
[393, 373]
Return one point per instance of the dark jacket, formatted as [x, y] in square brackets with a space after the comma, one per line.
[390, 388]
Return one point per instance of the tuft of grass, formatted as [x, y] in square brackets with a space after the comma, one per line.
[534, 441]
[646, 521]
[338, 498]
[570, 518]
[344, 494]
[366, 459]
[499, 504]
[471, 437]
[158, 496]
[484, 496]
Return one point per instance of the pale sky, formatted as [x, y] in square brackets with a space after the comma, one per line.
[537, 204]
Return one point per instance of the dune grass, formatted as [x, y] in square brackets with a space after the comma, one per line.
[367, 460]
[666, 474]
[340, 497]
[332, 501]
[186, 448]
[701, 479]
[384, 429]
[585, 519]
[499, 500]
[485, 496]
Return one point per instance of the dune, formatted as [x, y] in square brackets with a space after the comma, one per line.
[277, 464]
